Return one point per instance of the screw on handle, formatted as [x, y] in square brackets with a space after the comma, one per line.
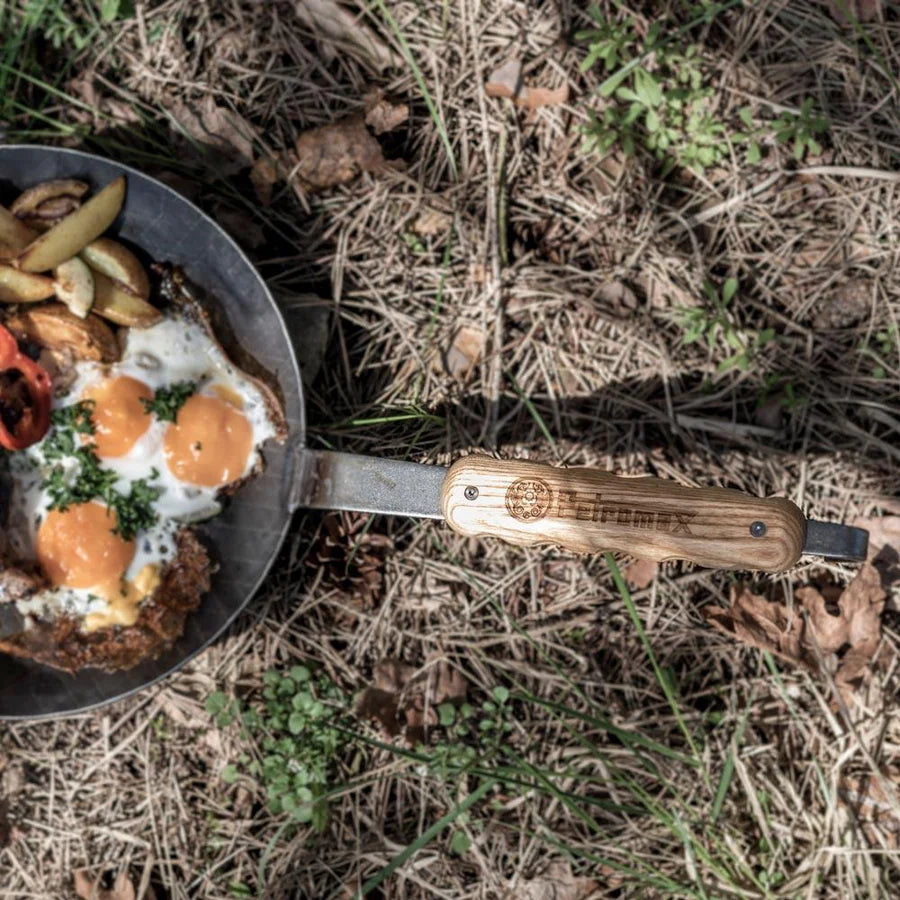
[589, 511]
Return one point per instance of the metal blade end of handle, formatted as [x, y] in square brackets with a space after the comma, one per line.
[833, 541]
[323, 479]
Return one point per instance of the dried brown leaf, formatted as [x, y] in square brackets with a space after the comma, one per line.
[335, 154]
[506, 81]
[618, 296]
[641, 573]
[432, 222]
[263, 175]
[329, 21]
[402, 698]
[227, 133]
[831, 631]
[383, 116]
[89, 888]
[761, 623]
[465, 352]
[884, 531]
[769, 625]
[845, 305]
[557, 883]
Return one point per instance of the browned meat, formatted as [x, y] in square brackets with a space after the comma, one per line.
[61, 644]
[17, 584]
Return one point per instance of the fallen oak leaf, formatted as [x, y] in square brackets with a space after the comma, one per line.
[557, 883]
[404, 699]
[263, 176]
[758, 622]
[884, 531]
[383, 116]
[641, 573]
[89, 888]
[329, 21]
[334, 154]
[466, 350]
[819, 635]
[220, 129]
[506, 81]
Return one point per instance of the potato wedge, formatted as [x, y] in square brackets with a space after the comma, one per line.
[76, 231]
[75, 285]
[51, 211]
[13, 233]
[28, 201]
[23, 287]
[119, 305]
[119, 263]
[54, 327]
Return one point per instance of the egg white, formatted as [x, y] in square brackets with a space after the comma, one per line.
[173, 350]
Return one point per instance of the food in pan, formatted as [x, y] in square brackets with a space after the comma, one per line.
[117, 440]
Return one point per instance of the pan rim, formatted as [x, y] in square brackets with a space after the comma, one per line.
[295, 442]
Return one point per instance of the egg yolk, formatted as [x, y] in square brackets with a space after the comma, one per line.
[209, 443]
[76, 547]
[119, 415]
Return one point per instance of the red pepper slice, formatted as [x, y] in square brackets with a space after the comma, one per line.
[35, 418]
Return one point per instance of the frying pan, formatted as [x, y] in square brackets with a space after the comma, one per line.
[167, 227]
[522, 502]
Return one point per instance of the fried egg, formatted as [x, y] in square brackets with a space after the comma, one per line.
[214, 442]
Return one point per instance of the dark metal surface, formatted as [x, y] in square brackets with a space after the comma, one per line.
[833, 541]
[246, 538]
[328, 480]
[11, 620]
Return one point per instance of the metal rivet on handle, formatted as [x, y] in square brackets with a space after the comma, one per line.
[758, 529]
[471, 492]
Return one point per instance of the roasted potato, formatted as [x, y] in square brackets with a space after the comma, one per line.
[50, 212]
[13, 234]
[23, 287]
[116, 303]
[52, 326]
[74, 285]
[73, 233]
[119, 263]
[26, 205]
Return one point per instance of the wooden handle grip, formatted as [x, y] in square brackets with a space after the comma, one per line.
[588, 510]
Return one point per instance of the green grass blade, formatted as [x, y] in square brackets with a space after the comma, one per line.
[625, 594]
[420, 81]
[426, 837]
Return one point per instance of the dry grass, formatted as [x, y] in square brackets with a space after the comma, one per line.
[540, 232]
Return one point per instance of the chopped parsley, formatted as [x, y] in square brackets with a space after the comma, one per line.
[90, 480]
[168, 400]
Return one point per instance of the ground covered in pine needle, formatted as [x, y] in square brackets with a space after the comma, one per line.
[468, 275]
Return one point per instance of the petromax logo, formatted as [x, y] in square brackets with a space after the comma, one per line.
[530, 499]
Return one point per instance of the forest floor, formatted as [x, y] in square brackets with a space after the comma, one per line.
[692, 272]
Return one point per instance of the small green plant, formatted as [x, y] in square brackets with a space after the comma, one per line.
[886, 343]
[659, 97]
[60, 28]
[471, 735]
[801, 129]
[715, 320]
[788, 397]
[294, 728]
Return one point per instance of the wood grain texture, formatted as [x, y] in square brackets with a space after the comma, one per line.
[589, 510]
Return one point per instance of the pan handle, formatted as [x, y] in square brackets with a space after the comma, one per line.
[589, 510]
